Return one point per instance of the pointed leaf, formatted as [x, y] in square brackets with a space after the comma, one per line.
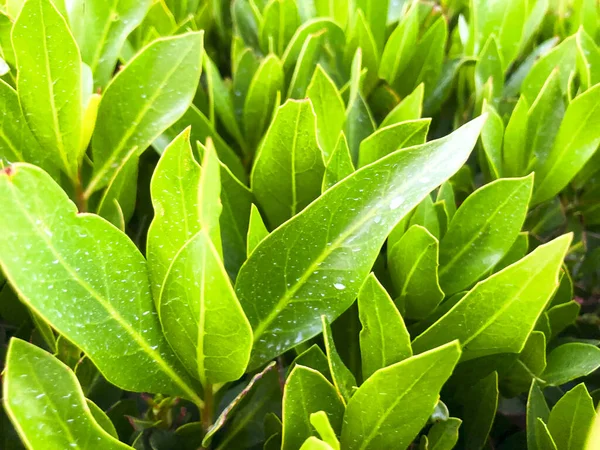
[343, 380]
[511, 299]
[479, 410]
[410, 108]
[45, 402]
[482, 231]
[339, 165]
[91, 283]
[284, 300]
[406, 394]
[289, 165]
[571, 419]
[257, 231]
[148, 96]
[384, 339]
[537, 409]
[570, 361]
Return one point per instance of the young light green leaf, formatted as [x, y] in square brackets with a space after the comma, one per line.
[577, 140]
[50, 88]
[563, 315]
[384, 339]
[359, 124]
[100, 37]
[261, 99]
[289, 165]
[343, 380]
[257, 231]
[85, 269]
[336, 9]
[307, 391]
[571, 419]
[17, 143]
[537, 409]
[413, 264]
[479, 410]
[279, 22]
[400, 46]
[514, 154]
[489, 66]
[391, 138]
[446, 194]
[284, 300]
[339, 165]
[305, 66]
[544, 439]
[201, 316]
[313, 358]
[313, 443]
[518, 250]
[406, 394]
[511, 299]
[182, 206]
[570, 361]
[360, 36]
[588, 59]
[40, 391]
[320, 420]
[329, 108]
[153, 91]
[492, 136]
[410, 108]
[482, 231]
[543, 122]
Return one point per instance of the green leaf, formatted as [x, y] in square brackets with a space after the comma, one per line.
[577, 140]
[262, 98]
[294, 276]
[359, 125]
[482, 231]
[413, 265]
[391, 138]
[201, 316]
[148, 96]
[17, 143]
[313, 443]
[514, 155]
[384, 339]
[329, 108]
[336, 9]
[375, 12]
[100, 36]
[543, 436]
[570, 361]
[489, 66]
[102, 419]
[543, 122]
[588, 59]
[444, 435]
[571, 419]
[410, 108]
[512, 299]
[41, 393]
[562, 56]
[491, 141]
[563, 315]
[306, 392]
[91, 283]
[257, 231]
[50, 87]
[343, 380]
[182, 206]
[305, 66]
[313, 358]
[339, 165]
[280, 21]
[479, 410]
[406, 394]
[446, 194]
[289, 166]
[320, 421]
[400, 46]
[537, 409]
[360, 36]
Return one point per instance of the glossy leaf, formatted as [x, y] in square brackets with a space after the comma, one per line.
[339, 165]
[410, 108]
[307, 392]
[571, 419]
[394, 137]
[444, 435]
[413, 264]
[45, 402]
[87, 269]
[537, 409]
[482, 231]
[289, 165]
[257, 231]
[511, 299]
[479, 409]
[50, 88]
[280, 20]
[153, 91]
[570, 361]
[407, 393]
[384, 339]
[343, 380]
[293, 297]
[329, 109]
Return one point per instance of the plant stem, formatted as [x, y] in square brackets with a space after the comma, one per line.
[206, 412]
[80, 198]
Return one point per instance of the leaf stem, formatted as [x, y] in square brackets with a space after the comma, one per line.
[80, 198]
[206, 412]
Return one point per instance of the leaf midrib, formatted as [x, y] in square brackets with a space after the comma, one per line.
[108, 308]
